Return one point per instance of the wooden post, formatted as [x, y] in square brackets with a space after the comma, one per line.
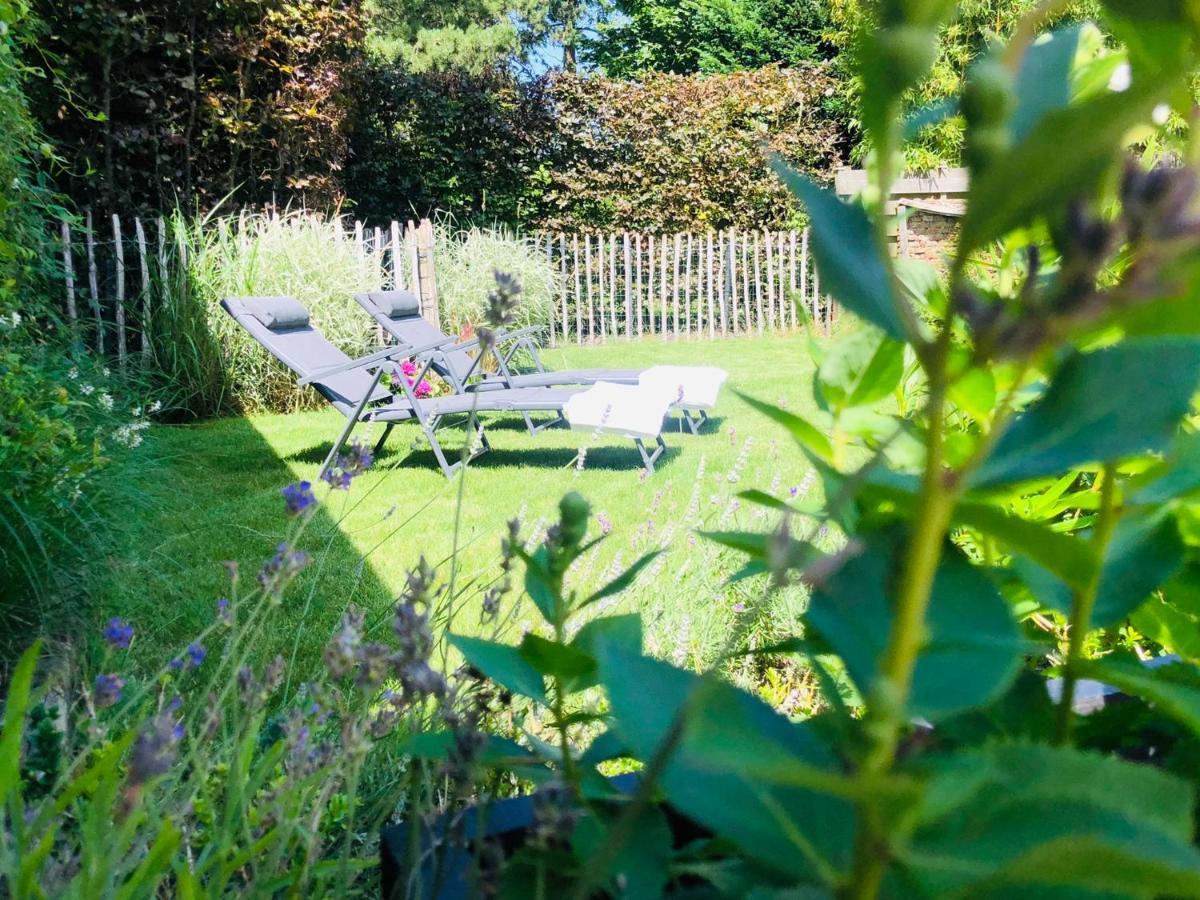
[428, 277]
[69, 278]
[664, 286]
[802, 298]
[687, 290]
[818, 307]
[651, 268]
[675, 285]
[601, 290]
[637, 297]
[708, 278]
[119, 251]
[732, 279]
[769, 266]
[587, 269]
[140, 233]
[162, 260]
[93, 283]
[628, 285]
[578, 297]
[723, 257]
[397, 253]
[562, 274]
[612, 283]
[792, 278]
[747, 300]
[550, 268]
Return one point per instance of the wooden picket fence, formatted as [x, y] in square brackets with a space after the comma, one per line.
[116, 271]
[617, 285]
[630, 284]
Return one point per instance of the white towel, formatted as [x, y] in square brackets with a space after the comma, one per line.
[692, 387]
[627, 409]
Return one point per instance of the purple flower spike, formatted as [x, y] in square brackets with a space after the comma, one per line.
[223, 610]
[298, 497]
[175, 665]
[195, 655]
[118, 632]
[793, 491]
[108, 689]
[350, 463]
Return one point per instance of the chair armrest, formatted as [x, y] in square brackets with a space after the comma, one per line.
[371, 359]
[519, 333]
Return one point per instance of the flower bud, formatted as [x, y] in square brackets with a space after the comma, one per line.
[573, 519]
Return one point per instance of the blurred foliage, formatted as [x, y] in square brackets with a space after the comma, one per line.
[153, 104]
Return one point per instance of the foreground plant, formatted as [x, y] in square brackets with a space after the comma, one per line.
[1028, 514]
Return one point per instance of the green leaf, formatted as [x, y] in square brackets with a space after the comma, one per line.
[1055, 819]
[1145, 551]
[502, 664]
[807, 436]
[643, 864]
[1176, 476]
[975, 393]
[849, 258]
[624, 580]
[860, 369]
[1037, 178]
[795, 831]
[554, 659]
[15, 706]
[1173, 689]
[752, 543]
[496, 751]
[608, 745]
[624, 631]
[538, 584]
[1044, 80]
[1165, 624]
[1069, 558]
[973, 649]
[1101, 406]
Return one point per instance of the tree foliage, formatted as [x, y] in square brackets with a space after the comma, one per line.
[708, 36]
[173, 102]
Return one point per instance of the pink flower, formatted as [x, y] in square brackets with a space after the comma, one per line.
[424, 389]
[409, 368]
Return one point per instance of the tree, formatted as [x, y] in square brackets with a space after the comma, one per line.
[708, 36]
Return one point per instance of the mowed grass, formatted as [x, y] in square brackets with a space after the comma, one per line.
[193, 497]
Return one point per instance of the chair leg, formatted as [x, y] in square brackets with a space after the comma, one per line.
[447, 468]
[383, 437]
[351, 420]
[535, 428]
[648, 459]
[694, 422]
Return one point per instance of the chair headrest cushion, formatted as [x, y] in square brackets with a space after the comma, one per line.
[396, 304]
[277, 313]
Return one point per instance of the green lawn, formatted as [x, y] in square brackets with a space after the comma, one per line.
[194, 496]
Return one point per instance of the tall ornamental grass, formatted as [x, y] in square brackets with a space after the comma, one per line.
[212, 366]
[467, 261]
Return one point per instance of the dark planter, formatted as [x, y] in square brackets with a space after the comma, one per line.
[445, 875]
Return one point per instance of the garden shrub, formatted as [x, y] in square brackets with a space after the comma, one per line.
[152, 105]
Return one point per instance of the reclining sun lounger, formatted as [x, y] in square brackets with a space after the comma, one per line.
[694, 388]
[353, 386]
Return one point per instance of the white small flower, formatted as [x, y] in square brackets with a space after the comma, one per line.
[106, 402]
[1161, 113]
[155, 407]
[73, 373]
[1121, 78]
[107, 372]
[16, 319]
[137, 412]
[86, 389]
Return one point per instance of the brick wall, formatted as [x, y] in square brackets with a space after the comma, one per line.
[930, 236]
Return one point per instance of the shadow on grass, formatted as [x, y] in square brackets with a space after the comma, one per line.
[400, 455]
[196, 496]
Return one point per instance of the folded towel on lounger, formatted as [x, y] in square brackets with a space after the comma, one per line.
[692, 387]
[627, 409]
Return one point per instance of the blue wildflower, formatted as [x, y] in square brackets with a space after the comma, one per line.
[108, 689]
[793, 491]
[118, 632]
[351, 463]
[298, 497]
[195, 654]
[223, 610]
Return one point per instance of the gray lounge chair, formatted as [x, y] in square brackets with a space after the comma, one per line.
[281, 325]
[398, 313]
